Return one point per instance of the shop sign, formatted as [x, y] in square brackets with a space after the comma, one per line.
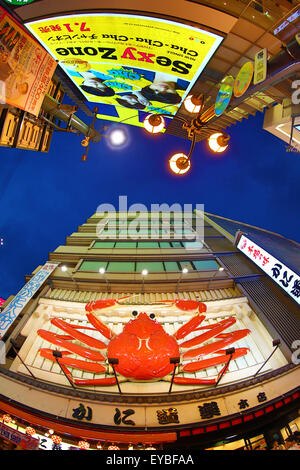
[287, 279]
[243, 79]
[224, 95]
[25, 67]
[127, 62]
[20, 300]
[20, 439]
[260, 66]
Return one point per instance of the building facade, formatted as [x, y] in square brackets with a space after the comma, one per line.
[236, 374]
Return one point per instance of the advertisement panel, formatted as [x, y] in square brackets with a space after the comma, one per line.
[18, 438]
[25, 67]
[126, 62]
[14, 308]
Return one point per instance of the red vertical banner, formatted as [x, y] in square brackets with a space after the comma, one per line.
[25, 67]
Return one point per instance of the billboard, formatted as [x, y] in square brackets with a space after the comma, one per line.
[125, 63]
[25, 67]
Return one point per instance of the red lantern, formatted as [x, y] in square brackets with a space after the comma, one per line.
[56, 439]
[113, 447]
[7, 418]
[30, 431]
[150, 447]
[83, 445]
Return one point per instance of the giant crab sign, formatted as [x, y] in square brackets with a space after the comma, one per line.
[144, 350]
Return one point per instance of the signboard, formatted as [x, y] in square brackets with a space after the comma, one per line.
[25, 67]
[17, 304]
[224, 95]
[260, 66]
[243, 79]
[128, 63]
[18, 438]
[287, 279]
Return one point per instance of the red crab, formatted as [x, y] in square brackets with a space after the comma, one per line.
[143, 351]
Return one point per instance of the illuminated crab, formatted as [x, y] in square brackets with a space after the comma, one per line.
[143, 351]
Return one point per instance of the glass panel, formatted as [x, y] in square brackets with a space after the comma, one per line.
[171, 266]
[206, 265]
[148, 245]
[125, 245]
[93, 266]
[121, 266]
[186, 264]
[193, 245]
[176, 245]
[165, 245]
[152, 266]
[103, 244]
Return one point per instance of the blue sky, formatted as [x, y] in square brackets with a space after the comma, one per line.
[44, 197]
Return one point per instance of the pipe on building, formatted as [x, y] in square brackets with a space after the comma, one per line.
[53, 107]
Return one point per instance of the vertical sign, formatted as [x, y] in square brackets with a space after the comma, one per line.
[260, 66]
[287, 279]
[14, 308]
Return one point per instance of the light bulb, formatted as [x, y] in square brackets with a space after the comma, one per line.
[154, 123]
[179, 164]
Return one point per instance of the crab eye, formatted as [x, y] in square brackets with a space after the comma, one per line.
[152, 316]
[134, 313]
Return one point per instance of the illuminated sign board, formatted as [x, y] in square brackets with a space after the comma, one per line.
[25, 67]
[127, 63]
[243, 79]
[286, 23]
[224, 95]
[287, 279]
[260, 66]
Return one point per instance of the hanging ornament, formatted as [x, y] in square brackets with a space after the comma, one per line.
[7, 418]
[130, 447]
[83, 445]
[99, 446]
[150, 447]
[56, 439]
[30, 431]
[113, 447]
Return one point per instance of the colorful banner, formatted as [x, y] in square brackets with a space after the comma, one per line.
[243, 79]
[287, 279]
[19, 2]
[17, 304]
[126, 62]
[25, 67]
[20, 439]
[224, 95]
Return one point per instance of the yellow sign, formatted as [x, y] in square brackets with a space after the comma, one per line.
[243, 79]
[25, 67]
[260, 66]
[126, 62]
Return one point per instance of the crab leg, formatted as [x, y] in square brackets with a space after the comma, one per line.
[103, 329]
[217, 329]
[188, 327]
[226, 340]
[75, 348]
[191, 381]
[213, 361]
[70, 361]
[82, 337]
[103, 381]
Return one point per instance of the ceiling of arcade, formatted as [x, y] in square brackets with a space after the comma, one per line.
[248, 26]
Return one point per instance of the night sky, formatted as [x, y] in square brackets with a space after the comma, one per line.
[44, 197]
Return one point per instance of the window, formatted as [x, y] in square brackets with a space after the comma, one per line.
[148, 245]
[121, 267]
[103, 245]
[93, 266]
[171, 266]
[206, 265]
[151, 266]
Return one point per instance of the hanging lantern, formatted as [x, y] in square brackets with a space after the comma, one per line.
[56, 439]
[83, 445]
[7, 419]
[179, 164]
[113, 447]
[154, 123]
[99, 446]
[30, 431]
[130, 447]
[194, 104]
[51, 431]
[218, 142]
